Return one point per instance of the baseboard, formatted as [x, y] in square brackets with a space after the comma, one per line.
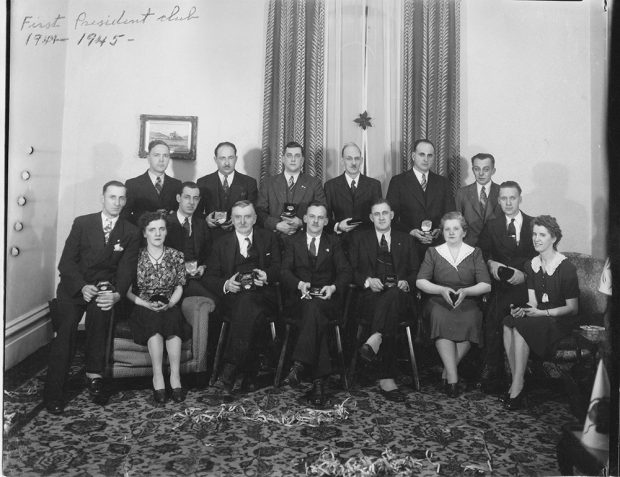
[25, 335]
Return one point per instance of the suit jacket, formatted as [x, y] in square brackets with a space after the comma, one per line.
[342, 204]
[200, 235]
[331, 267]
[468, 204]
[143, 197]
[496, 245]
[364, 256]
[242, 188]
[86, 259]
[221, 262]
[272, 197]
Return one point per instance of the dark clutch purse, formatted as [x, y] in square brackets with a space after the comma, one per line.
[246, 279]
[158, 298]
[505, 273]
[289, 211]
[390, 281]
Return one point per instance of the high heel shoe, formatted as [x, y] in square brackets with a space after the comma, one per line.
[504, 397]
[517, 402]
[159, 396]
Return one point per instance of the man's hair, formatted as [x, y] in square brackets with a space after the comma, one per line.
[482, 156]
[420, 141]
[113, 183]
[225, 143]
[379, 202]
[551, 224]
[510, 185]
[147, 217]
[291, 145]
[317, 203]
[349, 144]
[189, 185]
[243, 203]
[454, 215]
[157, 142]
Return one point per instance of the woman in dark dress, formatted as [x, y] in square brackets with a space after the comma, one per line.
[157, 319]
[456, 321]
[550, 314]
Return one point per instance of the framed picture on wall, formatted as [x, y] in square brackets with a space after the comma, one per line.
[179, 132]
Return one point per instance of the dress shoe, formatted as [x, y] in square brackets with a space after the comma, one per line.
[225, 389]
[395, 395]
[517, 402]
[178, 394]
[97, 391]
[55, 407]
[316, 396]
[239, 383]
[504, 397]
[159, 396]
[452, 390]
[367, 353]
[293, 377]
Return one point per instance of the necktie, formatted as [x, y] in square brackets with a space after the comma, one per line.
[423, 183]
[512, 231]
[291, 183]
[107, 229]
[225, 185]
[353, 187]
[187, 227]
[483, 200]
[158, 184]
[313, 247]
[249, 242]
[383, 245]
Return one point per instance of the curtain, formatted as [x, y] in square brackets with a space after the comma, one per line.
[430, 82]
[294, 94]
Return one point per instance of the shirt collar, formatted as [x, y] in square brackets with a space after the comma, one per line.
[287, 175]
[310, 237]
[112, 220]
[518, 219]
[487, 188]
[181, 217]
[464, 252]
[388, 235]
[241, 238]
[231, 177]
[551, 266]
[418, 174]
[350, 179]
[155, 176]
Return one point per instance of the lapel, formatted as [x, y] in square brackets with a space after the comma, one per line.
[525, 230]
[472, 195]
[149, 188]
[396, 249]
[96, 236]
[344, 191]
[416, 188]
[215, 185]
[492, 203]
[300, 188]
[371, 245]
[323, 251]
[280, 187]
[168, 188]
[231, 248]
[258, 243]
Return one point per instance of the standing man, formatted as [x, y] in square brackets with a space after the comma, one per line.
[96, 268]
[420, 195]
[223, 188]
[240, 266]
[291, 188]
[506, 242]
[350, 195]
[385, 266]
[188, 233]
[317, 272]
[153, 190]
[478, 201]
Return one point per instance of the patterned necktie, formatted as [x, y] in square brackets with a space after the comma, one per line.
[312, 248]
[353, 188]
[512, 231]
[483, 200]
[107, 229]
[291, 183]
[187, 227]
[423, 183]
[383, 245]
[225, 185]
[249, 242]
[158, 184]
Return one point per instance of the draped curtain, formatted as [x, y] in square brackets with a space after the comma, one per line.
[430, 82]
[294, 94]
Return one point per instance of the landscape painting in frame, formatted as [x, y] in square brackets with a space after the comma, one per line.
[179, 132]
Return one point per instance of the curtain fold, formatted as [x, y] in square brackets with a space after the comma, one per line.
[430, 82]
[294, 93]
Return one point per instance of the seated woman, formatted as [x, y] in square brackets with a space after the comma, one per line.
[456, 273]
[156, 293]
[549, 315]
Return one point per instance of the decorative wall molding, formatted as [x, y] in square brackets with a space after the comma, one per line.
[26, 334]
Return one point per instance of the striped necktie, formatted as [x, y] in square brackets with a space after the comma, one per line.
[158, 185]
[423, 183]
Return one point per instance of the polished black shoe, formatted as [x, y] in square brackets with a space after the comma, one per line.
[367, 353]
[504, 397]
[178, 394]
[55, 407]
[293, 378]
[395, 395]
[159, 396]
[97, 391]
[316, 396]
[452, 390]
[517, 402]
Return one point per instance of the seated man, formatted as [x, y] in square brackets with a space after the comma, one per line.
[240, 266]
[96, 268]
[385, 264]
[188, 233]
[315, 269]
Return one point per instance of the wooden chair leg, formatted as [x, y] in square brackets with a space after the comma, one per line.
[341, 358]
[353, 365]
[218, 353]
[414, 364]
[276, 380]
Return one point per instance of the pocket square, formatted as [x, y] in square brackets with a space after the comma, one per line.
[118, 247]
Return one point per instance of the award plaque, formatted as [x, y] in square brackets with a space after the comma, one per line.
[220, 216]
[158, 297]
[105, 286]
[315, 291]
[426, 226]
[191, 267]
[289, 211]
[505, 273]
[390, 281]
[246, 279]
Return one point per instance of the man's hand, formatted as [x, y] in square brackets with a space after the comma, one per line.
[344, 226]
[403, 285]
[493, 266]
[227, 226]
[375, 284]
[445, 293]
[421, 236]
[327, 291]
[106, 300]
[286, 228]
[261, 279]
[200, 270]
[435, 233]
[211, 221]
[232, 285]
[89, 292]
[303, 287]
[517, 278]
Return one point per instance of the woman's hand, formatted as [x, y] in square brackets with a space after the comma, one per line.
[445, 293]
[462, 293]
[534, 312]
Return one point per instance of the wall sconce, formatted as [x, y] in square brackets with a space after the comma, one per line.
[21, 201]
[18, 226]
[15, 251]
[25, 175]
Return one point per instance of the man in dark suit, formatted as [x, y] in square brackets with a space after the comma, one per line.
[188, 233]
[96, 268]
[385, 265]
[316, 271]
[221, 189]
[154, 189]
[506, 242]
[478, 201]
[289, 187]
[350, 195]
[235, 255]
[420, 195]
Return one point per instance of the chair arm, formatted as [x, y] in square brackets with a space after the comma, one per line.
[196, 310]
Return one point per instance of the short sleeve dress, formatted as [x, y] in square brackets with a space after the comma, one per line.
[463, 323]
[553, 287]
[160, 279]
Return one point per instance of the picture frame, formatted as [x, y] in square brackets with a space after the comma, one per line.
[179, 132]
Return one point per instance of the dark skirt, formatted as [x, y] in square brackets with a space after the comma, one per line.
[145, 323]
[542, 333]
[463, 323]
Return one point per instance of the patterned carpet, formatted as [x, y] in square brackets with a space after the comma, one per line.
[131, 436]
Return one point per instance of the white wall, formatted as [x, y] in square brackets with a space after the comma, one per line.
[533, 90]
